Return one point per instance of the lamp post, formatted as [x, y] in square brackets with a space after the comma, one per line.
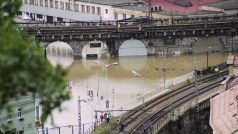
[106, 66]
[207, 54]
[136, 74]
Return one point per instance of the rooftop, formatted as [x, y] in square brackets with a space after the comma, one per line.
[223, 115]
[227, 4]
[169, 7]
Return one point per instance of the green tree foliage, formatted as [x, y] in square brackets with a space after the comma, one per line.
[23, 68]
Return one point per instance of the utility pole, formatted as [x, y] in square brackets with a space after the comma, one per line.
[79, 114]
[197, 124]
[164, 69]
[207, 59]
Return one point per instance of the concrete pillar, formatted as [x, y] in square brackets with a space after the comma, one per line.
[81, 36]
[212, 30]
[90, 36]
[184, 32]
[221, 30]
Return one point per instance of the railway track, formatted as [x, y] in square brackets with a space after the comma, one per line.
[142, 117]
[129, 28]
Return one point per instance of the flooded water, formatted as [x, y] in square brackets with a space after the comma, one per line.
[93, 75]
[118, 85]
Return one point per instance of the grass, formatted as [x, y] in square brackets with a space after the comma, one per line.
[105, 128]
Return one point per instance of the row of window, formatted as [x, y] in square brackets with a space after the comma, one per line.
[66, 6]
[19, 114]
[123, 16]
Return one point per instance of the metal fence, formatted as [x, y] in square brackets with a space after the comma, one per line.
[87, 128]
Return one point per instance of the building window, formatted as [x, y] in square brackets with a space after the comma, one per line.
[19, 113]
[26, 1]
[66, 6]
[51, 4]
[98, 10]
[62, 5]
[37, 113]
[83, 8]
[39, 16]
[56, 4]
[156, 8]
[115, 16]
[88, 9]
[9, 116]
[36, 2]
[124, 16]
[76, 7]
[31, 2]
[93, 9]
[95, 45]
[106, 11]
[71, 7]
[41, 2]
[46, 3]
[21, 132]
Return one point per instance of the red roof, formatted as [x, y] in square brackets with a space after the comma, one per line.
[168, 6]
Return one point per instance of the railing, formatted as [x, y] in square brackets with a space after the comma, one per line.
[158, 91]
[87, 128]
[177, 20]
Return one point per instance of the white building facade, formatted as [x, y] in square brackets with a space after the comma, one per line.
[65, 10]
[80, 10]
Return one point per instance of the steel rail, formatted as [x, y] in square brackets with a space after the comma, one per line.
[145, 125]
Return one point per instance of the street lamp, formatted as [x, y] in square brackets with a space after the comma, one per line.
[207, 54]
[106, 66]
[136, 74]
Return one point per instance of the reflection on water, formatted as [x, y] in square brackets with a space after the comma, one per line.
[60, 53]
[132, 62]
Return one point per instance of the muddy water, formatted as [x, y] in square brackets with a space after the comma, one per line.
[93, 75]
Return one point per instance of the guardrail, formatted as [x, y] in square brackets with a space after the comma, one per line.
[87, 128]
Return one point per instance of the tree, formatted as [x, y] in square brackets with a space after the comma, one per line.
[23, 67]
